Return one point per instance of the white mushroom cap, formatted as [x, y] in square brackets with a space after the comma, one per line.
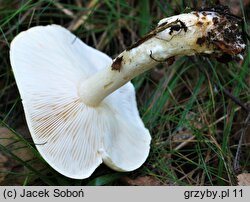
[49, 64]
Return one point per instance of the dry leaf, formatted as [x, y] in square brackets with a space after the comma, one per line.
[9, 140]
[244, 179]
[9, 164]
[3, 167]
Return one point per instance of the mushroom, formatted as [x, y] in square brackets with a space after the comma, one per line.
[79, 104]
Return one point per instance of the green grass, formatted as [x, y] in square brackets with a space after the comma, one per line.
[195, 129]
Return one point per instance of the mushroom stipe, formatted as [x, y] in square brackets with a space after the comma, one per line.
[86, 112]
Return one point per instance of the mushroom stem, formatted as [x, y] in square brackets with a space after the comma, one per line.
[185, 34]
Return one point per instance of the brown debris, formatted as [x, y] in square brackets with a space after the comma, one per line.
[142, 181]
[8, 164]
[215, 20]
[170, 60]
[174, 28]
[200, 41]
[196, 13]
[117, 64]
[204, 13]
[199, 23]
[226, 35]
[142, 40]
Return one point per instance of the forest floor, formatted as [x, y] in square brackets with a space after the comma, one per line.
[197, 109]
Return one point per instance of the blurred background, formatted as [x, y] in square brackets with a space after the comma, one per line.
[197, 109]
